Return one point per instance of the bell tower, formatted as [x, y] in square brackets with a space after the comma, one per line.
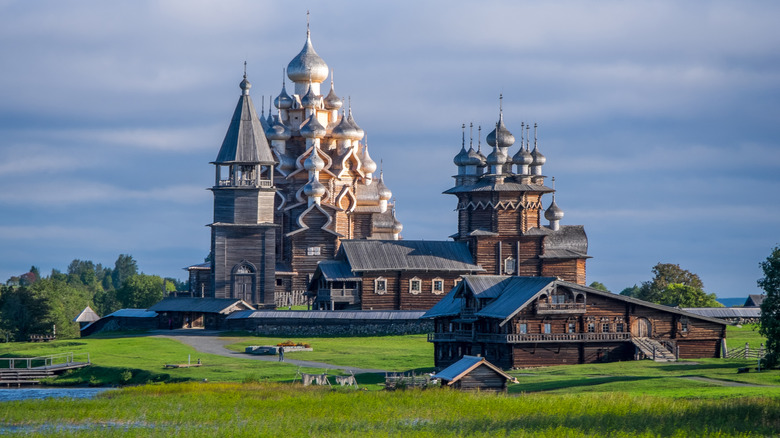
[243, 233]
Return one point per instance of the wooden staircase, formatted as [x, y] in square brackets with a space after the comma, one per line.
[653, 349]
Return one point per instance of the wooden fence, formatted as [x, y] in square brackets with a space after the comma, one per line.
[746, 352]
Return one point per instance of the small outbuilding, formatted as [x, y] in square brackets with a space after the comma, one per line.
[86, 317]
[196, 313]
[474, 373]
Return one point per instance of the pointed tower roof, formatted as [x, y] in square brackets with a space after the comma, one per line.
[86, 315]
[245, 140]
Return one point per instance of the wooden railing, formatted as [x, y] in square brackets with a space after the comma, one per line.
[746, 352]
[62, 359]
[526, 338]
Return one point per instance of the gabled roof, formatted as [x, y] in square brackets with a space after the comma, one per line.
[203, 305]
[754, 300]
[512, 294]
[86, 315]
[408, 255]
[459, 369]
[245, 140]
[133, 313]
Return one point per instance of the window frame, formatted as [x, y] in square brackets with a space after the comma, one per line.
[418, 289]
[383, 282]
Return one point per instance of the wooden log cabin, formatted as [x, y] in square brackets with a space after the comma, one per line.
[390, 275]
[519, 322]
[473, 373]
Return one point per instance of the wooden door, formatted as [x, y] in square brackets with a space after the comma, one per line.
[641, 328]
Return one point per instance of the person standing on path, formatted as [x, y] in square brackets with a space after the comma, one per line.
[281, 354]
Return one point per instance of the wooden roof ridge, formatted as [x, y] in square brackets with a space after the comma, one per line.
[465, 365]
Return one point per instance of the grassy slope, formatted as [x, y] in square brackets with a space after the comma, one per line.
[285, 410]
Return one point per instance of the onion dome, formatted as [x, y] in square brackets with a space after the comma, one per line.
[283, 100]
[344, 129]
[332, 101]
[310, 100]
[481, 156]
[460, 158]
[368, 165]
[307, 66]
[397, 226]
[278, 131]
[314, 188]
[553, 212]
[496, 158]
[312, 128]
[500, 136]
[314, 161]
[359, 133]
[523, 157]
[473, 159]
[384, 193]
[245, 86]
[538, 158]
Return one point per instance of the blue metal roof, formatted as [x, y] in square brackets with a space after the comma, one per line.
[337, 270]
[133, 313]
[454, 372]
[514, 295]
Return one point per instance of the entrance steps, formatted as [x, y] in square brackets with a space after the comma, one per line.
[653, 349]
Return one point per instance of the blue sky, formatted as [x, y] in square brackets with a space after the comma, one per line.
[658, 119]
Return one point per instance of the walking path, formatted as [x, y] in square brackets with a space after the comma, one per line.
[209, 341]
[721, 382]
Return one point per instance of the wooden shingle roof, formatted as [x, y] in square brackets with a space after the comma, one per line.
[245, 140]
[408, 255]
[86, 315]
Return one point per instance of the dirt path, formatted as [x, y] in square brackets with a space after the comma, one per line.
[207, 341]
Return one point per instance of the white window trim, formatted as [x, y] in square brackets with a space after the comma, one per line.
[507, 261]
[419, 289]
[433, 286]
[376, 285]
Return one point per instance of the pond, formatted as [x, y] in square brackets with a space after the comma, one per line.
[41, 393]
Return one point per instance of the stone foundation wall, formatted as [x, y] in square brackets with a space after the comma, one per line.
[314, 327]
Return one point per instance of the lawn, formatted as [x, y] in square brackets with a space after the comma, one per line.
[394, 353]
[208, 409]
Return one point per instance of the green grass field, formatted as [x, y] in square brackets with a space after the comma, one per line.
[256, 398]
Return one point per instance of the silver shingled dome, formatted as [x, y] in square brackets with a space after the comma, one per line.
[307, 65]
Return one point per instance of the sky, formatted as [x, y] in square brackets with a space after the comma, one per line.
[659, 120]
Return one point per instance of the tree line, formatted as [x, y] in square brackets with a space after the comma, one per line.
[671, 285]
[33, 304]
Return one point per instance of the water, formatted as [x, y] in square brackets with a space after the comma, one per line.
[42, 393]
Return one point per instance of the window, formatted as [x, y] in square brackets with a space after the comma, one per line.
[558, 299]
[572, 327]
[684, 325]
[313, 250]
[380, 286]
[278, 281]
[509, 266]
[522, 328]
[605, 327]
[619, 327]
[547, 328]
[415, 286]
[591, 327]
[437, 286]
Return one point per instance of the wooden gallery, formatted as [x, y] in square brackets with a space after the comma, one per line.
[301, 217]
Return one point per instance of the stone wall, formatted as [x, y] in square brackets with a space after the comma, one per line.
[315, 327]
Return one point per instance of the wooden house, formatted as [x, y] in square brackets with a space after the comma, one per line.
[474, 373]
[390, 275]
[196, 313]
[538, 321]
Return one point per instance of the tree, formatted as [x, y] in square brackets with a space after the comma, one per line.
[682, 295]
[769, 322]
[632, 291]
[124, 268]
[666, 274]
[599, 286]
[140, 291]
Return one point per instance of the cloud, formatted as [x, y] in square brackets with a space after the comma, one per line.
[74, 192]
